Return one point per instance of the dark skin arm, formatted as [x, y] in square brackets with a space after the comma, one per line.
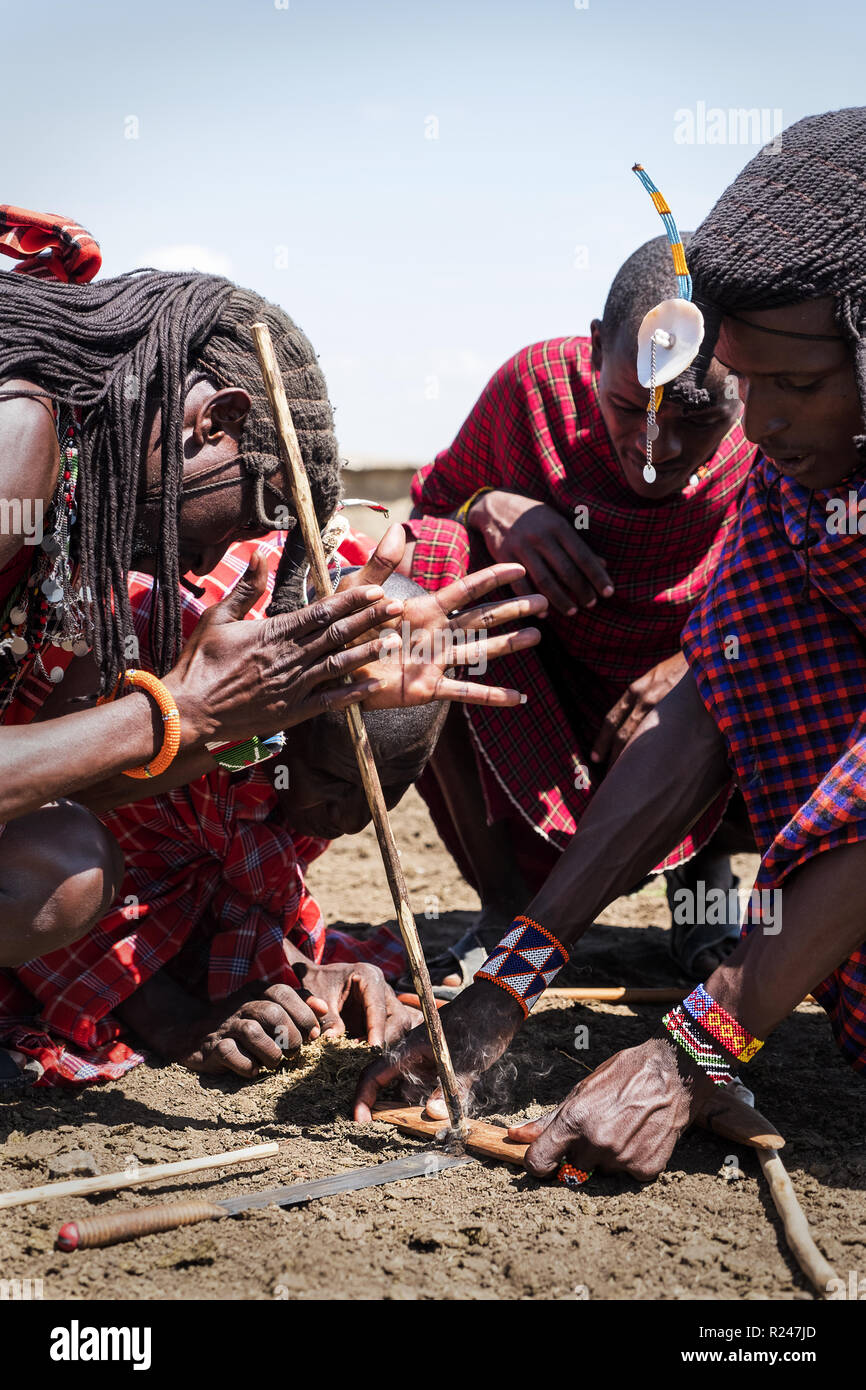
[669, 774]
[233, 679]
[630, 1112]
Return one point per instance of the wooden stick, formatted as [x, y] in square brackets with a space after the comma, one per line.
[113, 1182]
[369, 774]
[480, 1137]
[816, 1268]
[618, 994]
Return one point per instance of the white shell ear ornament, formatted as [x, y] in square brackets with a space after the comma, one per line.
[671, 333]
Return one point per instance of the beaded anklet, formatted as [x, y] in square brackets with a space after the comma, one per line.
[526, 961]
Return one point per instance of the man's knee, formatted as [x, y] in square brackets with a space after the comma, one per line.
[60, 870]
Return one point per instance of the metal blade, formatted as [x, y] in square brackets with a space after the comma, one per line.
[415, 1165]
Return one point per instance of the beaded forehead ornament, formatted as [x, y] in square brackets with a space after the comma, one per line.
[671, 333]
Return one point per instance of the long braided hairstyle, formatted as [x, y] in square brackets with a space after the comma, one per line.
[791, 227]
[123, 349]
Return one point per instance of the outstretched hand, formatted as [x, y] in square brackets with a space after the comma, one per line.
[441, 630]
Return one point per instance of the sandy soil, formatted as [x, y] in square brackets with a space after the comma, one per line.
[475, 1232]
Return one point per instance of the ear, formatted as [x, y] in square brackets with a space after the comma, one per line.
[216, 415]
[595, 334]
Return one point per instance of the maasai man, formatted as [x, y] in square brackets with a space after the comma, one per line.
[135, 430]
[216, 954]
[774, 693]
[548, 471]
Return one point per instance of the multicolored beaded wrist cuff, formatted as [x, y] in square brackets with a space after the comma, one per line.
[721, 1025]
[526, 961]
[684, 1033]
[572, 1177]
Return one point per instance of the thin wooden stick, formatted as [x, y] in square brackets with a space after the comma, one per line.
[617, 994]
[113, 1182]
[369, 774]
[816, 1268]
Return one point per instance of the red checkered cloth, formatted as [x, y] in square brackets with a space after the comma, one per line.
[777, 648]
[212, 871]
[73, 255]
[538, 430]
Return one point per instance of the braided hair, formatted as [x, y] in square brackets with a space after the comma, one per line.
[789, 228]
[121, 350]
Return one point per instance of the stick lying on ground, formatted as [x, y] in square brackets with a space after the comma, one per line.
[816, 1268]
[618, 994]
[96, 1231]
[369, 775]
[113, 1182]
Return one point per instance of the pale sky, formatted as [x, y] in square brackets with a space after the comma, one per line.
[289, 146]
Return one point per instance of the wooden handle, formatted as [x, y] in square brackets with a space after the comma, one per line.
[309, 525]
[480, 1137]
[816, 1268]
[95, 1231]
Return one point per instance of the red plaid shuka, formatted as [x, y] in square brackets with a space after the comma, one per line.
[214, 883]
[777, 648]
[538, 430]
[73, 255]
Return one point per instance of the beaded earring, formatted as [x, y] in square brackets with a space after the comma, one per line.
[671, 333]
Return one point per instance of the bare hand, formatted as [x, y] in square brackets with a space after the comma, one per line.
[436, 633]
[359, 1002]
[235, 678]
[621, 722]
[628, 1115]
[257, 1033]
[478, 1027]
[558, 562]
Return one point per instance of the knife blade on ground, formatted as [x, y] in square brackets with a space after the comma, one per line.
[96, 1231]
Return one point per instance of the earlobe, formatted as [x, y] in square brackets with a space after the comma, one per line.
[595, 334]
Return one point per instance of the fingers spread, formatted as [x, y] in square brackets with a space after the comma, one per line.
[471, 693]
[475, 586]
[506, 611]
[387, 555]
[489, 648]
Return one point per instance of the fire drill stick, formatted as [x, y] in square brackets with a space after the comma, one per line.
[369, 775]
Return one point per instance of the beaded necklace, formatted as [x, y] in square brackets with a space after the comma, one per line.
[44, 608]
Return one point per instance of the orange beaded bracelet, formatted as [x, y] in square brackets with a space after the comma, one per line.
[171, 717]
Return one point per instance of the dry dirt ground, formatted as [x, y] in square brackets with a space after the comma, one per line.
[475, 1232]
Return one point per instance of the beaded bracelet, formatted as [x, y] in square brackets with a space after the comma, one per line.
[573, 1177]
[462, 513]
[684, 1033]
[526, 961]
[721, 1025]
[171, 718]
[245, 752]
